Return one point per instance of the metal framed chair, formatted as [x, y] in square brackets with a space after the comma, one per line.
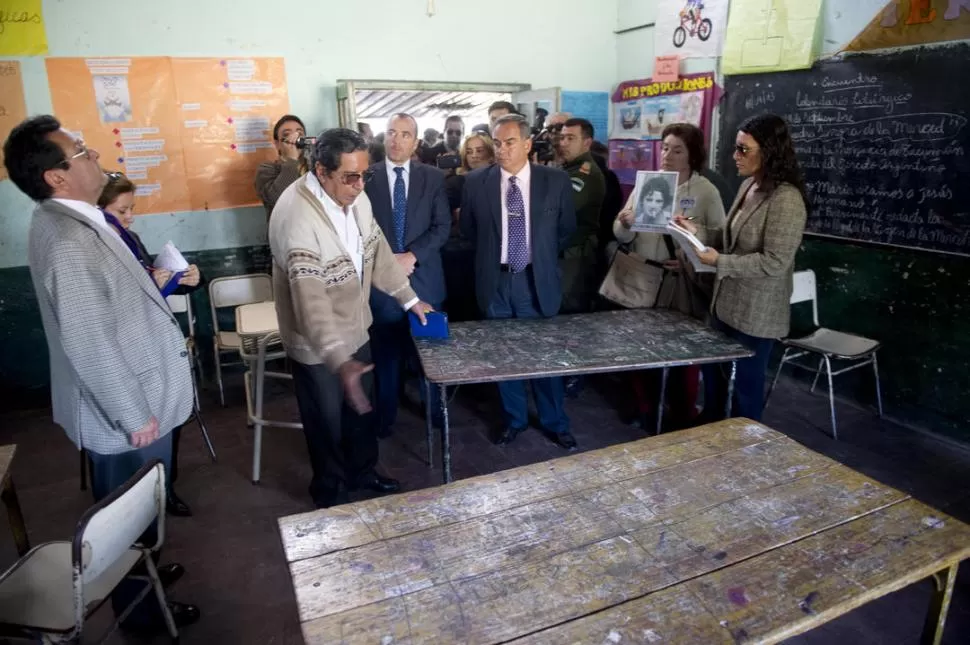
[232, 291]
[829, 345]
[182, 304]
[50, 592]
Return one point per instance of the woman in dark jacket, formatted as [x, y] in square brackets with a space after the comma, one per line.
[117, 201]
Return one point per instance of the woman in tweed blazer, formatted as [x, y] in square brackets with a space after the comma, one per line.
[754, 255]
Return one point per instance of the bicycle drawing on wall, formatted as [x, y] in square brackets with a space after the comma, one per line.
[692, 24]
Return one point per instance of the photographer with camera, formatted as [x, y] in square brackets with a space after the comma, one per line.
[445, 153]
[273, 177]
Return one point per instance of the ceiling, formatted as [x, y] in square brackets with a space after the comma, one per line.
[384, 103]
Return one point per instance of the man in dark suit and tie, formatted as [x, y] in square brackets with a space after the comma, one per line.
[520, 216]
[411, 207]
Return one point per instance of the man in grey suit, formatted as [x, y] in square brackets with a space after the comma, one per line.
[120, 377]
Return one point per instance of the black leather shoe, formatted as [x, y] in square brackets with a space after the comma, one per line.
[184, 614]
[169, 574]
[377, 483]
[175, 506]
[565, 440]
[509, 433]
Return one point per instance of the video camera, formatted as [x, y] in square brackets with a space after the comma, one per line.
[448, 161]
[305, 143]
[542, 146]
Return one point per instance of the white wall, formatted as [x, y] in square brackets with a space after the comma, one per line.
[466, 40]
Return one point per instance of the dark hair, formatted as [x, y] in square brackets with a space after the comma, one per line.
[693, 138]
[28, 153]
[657, 184]
[502, 105]
[778, 161]
[332, 144]
[118, 184]
[284, 119]
[361, 126]
[452, 119]
[583, 124]
[405, 115]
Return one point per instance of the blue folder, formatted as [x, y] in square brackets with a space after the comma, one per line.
[437, 326]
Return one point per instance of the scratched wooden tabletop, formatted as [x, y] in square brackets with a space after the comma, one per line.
[605, 341]
[724, 533]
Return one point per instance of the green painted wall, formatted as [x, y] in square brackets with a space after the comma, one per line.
[915, 303]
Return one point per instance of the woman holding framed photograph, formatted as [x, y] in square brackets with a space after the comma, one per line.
[697, 198]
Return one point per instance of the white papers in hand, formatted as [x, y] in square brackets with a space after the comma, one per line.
[170, 259]
[689, 243]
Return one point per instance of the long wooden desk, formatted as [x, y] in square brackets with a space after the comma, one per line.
[606, 341]
[727, 533]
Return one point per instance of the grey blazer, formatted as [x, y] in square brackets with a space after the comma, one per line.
[753, 283]
[117, 354]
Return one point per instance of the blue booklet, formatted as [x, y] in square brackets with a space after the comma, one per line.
[437, 326]
[172, 284]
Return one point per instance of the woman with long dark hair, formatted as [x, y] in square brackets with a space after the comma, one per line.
[754, 256]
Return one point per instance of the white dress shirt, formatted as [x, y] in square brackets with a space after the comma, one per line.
[90, 212]
[392, 177]
[524, 178]
[346, 225]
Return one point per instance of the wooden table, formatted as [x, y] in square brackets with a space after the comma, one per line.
[726, 533]
[9, 495]
[605, 341]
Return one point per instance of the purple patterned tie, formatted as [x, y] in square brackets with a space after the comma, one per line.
[518, 250]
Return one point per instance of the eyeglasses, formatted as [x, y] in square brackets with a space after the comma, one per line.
[557, 127]
[82, 151]
[351, 178]
[743, 150]
[457, 133]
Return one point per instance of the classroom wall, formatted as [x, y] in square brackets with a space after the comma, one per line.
[493, 41]
[914, 302]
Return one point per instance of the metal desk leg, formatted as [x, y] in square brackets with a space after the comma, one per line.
[427, 422]
[729, 406]
[939, 605]
[445, 436]
[17, 526]
[258, 375]
[660, 401]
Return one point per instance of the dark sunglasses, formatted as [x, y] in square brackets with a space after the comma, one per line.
[454, 132]
[351, 178]
[555, 128]
[742, 150]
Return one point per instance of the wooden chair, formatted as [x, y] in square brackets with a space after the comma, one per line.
[829, 345]
[49, 593]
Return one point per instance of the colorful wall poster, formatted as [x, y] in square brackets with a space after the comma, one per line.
[124, 109]
[226, 111]
[627, 157]
[771, 35]
[22, 31]
[627, 120]
[914, 23]
[13, 108]
[690, 28]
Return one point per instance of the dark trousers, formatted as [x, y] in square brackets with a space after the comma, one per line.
[394, 350]
[749, 386]
[683, 384]
[516, 298]
[342, 444]
[108, 472]
[173, 472]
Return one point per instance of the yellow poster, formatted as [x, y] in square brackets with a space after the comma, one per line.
[226, 111]
[771, 35]
[22, 28]
[915, 22]
[13, 109]
[125, 109]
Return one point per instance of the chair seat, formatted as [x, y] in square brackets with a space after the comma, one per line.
[38, 592]
[835, 343]
[228, 340]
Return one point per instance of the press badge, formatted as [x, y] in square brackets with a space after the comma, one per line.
[687, 203]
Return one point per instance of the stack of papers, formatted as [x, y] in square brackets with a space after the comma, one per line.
[690, 245]
[170, 259]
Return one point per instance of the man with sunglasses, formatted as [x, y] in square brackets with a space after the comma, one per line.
[449, 146]
[327, 252]
[120, 374]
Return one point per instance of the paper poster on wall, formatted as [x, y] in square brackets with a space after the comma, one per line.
[899, 25]
[627, 120]
[592, 106]
[690, 28]
[22, 31]
[226, 111]
[13, 108]
[627, 157]
[771, 35]
[123, 108]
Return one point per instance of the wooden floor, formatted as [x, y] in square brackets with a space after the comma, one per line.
[236, 565]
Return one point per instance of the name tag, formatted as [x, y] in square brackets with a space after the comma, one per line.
[687, 203]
